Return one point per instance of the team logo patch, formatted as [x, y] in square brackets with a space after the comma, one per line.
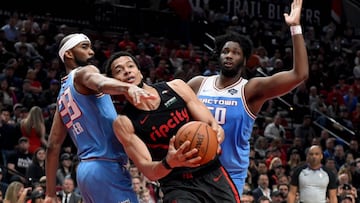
[232, 91]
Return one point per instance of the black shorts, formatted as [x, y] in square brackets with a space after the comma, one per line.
[213, 185]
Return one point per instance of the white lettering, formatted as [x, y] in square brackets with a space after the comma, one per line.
[77, 128]
[220, 102]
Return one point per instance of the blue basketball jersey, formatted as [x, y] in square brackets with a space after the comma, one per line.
[89, 120]
[229, 109]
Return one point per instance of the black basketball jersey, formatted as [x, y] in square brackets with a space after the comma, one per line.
[156, 127]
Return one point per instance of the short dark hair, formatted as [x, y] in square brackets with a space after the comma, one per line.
[244, 42]
[113, 57]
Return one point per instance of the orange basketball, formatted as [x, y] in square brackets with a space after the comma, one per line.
[201, 137]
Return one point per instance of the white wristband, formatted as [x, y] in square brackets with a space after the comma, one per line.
[295, 30]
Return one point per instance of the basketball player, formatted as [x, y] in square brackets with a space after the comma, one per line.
[235, 101]
[156, 122]
[86, 112]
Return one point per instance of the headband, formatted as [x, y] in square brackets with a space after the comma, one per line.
[71, 43]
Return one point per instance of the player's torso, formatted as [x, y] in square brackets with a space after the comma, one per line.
[156, 127]
[88, 119]
[229, 109]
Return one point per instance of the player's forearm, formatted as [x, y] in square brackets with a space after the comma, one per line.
[301, 65]
[51, 166]
[291, 198]
[155, 170]
[110, 86]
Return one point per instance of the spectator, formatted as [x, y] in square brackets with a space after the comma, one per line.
[263, 188]
[339, 156]
[68, 191]
[277, 197]
[16, 193]
[65, 169]
[354, 148]
[20, 161]
[10, 28]
[247, 197]
[283, 189]
[36, 169]
[33, 127]
[9, 135]
[275, 129]
[7, 93]
[145, 196]
[306, 131]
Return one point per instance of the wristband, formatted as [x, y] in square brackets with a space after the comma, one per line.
[166, 164]
[295, 30]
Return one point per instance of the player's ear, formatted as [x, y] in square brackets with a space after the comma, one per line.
[68, 54]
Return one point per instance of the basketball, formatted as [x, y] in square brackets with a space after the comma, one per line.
[201, 137]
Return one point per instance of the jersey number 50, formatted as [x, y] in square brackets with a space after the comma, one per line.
[219, 114]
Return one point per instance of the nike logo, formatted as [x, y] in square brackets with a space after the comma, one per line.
[144, 119]
[216, 179]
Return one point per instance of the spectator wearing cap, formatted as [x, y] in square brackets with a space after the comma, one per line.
[65, 168]
[294, 159]
[20, 161]
[27, 97]
[16, 112]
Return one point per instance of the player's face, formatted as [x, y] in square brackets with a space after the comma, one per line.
[231, 59]
[83, 53]
[125, 70]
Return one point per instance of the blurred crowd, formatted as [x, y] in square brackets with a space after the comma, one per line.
[30, 75]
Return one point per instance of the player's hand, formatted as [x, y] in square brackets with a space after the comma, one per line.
[220, 135]
[49, 199]
[182, 157]
[295, 14]
[137, 94]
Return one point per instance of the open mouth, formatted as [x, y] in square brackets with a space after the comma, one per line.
[228, 64]
[130, 80]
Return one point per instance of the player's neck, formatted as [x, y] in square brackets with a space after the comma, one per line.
[223, 81]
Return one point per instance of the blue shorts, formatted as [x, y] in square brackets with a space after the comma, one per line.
[239, 182]
[104, 181]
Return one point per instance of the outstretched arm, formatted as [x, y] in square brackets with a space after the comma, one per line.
[260, 89]
[88, 80]
[137, 151]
